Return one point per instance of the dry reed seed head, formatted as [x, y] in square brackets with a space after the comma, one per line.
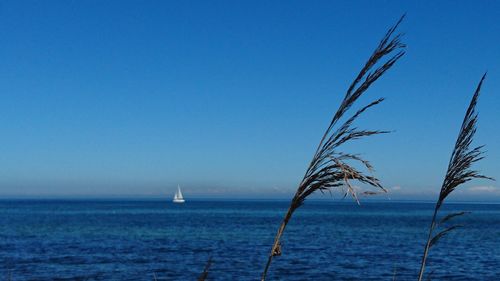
[326, 170]
[463, 157]
[326, 150]
[458, 172]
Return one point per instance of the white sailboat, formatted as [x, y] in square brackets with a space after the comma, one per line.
[178, 196]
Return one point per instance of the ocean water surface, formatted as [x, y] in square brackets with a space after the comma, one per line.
[325, 240]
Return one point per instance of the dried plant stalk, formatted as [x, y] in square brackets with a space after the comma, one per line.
[203, 276]
[459, 171]
[330, 168]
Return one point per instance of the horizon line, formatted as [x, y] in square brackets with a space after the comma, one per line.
[236, 199]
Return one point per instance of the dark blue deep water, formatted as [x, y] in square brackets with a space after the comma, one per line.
[326, 240]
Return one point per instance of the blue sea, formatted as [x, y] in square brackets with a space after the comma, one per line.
[325, 240]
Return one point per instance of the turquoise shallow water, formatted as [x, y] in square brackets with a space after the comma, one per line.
[326, 240]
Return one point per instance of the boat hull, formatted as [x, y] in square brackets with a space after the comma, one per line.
[178, 200]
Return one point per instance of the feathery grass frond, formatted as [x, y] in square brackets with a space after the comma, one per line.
[459, 171]
[438, 236]
[450, 216]
[330, 168]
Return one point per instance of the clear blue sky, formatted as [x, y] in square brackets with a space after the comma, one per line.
[229, 98]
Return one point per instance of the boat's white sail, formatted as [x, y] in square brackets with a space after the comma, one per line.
[178, 196]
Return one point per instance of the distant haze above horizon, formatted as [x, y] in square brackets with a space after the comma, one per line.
[229, 99]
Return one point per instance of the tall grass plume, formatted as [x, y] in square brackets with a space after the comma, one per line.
[459, 171]
[329, 167]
